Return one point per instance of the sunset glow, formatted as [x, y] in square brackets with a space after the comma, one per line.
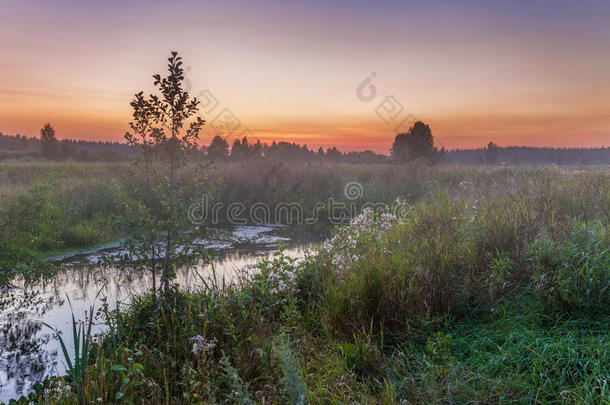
[517, 73]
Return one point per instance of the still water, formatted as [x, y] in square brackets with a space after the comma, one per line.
[28, 349]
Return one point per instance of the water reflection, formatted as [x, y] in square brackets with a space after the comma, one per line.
[24, 354]
[28, 351]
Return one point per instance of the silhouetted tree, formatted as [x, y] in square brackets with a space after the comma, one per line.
[256, 151]
[321, 154]
[245, 148]
[236, 150]
[218, 149]
[48, 142]
[491, 154]
[333, 154]
[166, 127]
[417, 143]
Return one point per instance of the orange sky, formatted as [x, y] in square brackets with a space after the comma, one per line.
[527, 73]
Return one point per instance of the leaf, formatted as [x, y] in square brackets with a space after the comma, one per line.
[118, 367]
[63, 348]
[118, 395]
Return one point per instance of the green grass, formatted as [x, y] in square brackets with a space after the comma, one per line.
[509, 356]
[564, 361]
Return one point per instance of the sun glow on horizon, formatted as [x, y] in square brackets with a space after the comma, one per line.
[525, 74]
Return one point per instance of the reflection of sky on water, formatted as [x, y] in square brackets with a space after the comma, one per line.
[28, 351]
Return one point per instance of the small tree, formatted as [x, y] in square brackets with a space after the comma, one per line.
[218, 149]
[321, 154]
[491, 153]
[165, 127]
[417, 143]
[257, 150]
[237, 152]
[48, 141]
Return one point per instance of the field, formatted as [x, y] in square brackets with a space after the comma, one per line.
[477, 284]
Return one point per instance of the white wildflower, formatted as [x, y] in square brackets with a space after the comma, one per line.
[201, 345]
[344, 243]
[282, 280]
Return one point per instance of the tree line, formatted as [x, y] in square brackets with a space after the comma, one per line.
[527, 155]
[50, 148]
[243, 149]
[418, 143]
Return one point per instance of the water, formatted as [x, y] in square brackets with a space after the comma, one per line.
[28, 350]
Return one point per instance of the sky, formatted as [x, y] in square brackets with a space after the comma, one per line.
[321, 73]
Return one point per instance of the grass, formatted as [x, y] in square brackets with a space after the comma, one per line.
[509, 357]
[565, 361]
[491, 287]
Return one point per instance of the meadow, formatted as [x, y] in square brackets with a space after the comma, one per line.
[490, 285]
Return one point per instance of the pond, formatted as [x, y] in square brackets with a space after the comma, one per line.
[28, 349]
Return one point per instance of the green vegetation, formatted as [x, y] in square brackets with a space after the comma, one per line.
[77, 370]
[488, 286]
[47, 208]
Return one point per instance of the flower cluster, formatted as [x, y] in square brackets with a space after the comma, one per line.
[386, 220]
[282, 279]
[201, 345]
[343, 245]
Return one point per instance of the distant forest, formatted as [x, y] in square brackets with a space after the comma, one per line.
[526, 155]
[18, 147]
